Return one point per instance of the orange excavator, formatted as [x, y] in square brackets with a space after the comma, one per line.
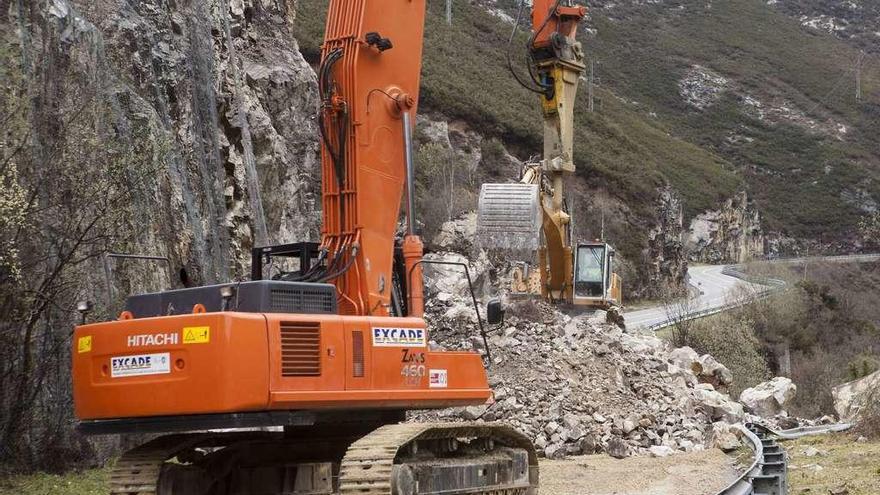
[299, 383]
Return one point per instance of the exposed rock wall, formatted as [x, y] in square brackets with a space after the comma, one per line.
[730, 234]
[180, 129]
[222, 86]
[665, 265]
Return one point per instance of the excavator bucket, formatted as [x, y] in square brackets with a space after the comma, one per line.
[509, 217]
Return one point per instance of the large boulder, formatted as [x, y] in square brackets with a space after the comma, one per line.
[684, 357]
[768, 399]
[705, 368]
[717, 405]
[458, 234]
[724, 436]
[851, 398]
[711, 371]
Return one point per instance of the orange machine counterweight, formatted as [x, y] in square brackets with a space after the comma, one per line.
[225, 362]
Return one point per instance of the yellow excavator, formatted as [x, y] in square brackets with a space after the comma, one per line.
[530, 215]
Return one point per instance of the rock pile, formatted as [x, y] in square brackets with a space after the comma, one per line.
[580, 386]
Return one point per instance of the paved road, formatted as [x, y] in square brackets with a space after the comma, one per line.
[716, 288]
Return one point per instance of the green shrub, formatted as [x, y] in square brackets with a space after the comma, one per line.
[732, 342]
[443, 187]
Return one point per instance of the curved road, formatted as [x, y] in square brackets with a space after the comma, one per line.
[716, 289]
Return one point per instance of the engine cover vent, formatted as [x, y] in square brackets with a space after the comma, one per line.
[300, 349]
[302, 298]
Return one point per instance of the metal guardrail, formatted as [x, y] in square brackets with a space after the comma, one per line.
[768, 473]
[846, 258]
[804, 431]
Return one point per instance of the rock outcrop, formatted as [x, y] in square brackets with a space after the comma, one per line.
[665, 266]
[701, 87]
[851, 398]
[730, 234]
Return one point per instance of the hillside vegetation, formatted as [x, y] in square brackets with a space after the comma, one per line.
[465, 77]
[804, 180]
[810, 178]
[827, 321]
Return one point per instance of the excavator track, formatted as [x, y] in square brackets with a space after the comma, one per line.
[368, 467]
[137, 471]
[403, 459]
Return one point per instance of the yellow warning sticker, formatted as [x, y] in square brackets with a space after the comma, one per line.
[84, 344]
[196, 335]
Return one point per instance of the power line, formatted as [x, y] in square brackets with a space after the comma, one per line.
[824, 99]
[859, 75]
[857, 69]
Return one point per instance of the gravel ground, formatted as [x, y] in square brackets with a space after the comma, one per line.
[833, 464]
[691, 473]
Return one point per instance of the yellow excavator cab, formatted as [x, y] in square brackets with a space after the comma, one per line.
[595, 283]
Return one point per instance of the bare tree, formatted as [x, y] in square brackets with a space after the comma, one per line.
[679, 312]
[68, 179]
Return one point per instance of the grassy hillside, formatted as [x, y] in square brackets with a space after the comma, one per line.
[800, 178]
[645, 133]
[465, 77]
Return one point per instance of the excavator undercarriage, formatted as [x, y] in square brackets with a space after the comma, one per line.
[404, 459]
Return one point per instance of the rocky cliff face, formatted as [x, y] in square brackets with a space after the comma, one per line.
[177, 129]
[730, 234]
[223, 97]
[664, 257]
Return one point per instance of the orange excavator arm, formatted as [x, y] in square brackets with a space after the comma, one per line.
[369, 87]
[369, 84]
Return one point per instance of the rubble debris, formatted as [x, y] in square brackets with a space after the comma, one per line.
[579, 385]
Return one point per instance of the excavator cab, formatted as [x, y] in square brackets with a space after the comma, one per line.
[595, 283]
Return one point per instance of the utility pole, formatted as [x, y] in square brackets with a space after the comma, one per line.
[859, 75]
[806, 262]
[590, 86]
[449, 12]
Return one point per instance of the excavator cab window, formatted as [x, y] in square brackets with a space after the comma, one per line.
[589, 278]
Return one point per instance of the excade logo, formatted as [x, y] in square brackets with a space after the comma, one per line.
[398, 337]
[142, 364]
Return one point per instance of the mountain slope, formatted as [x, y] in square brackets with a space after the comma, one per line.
[784, 123]
[789, 95]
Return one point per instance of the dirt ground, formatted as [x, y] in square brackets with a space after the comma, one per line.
[694, 473]
[837, 462]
